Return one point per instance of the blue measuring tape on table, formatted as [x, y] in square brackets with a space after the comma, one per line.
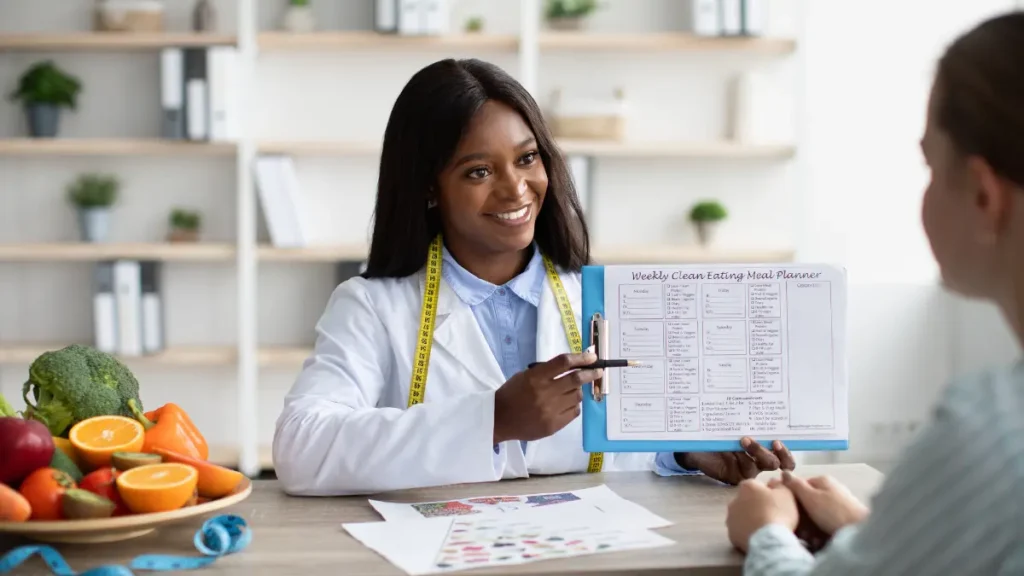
[219, 536]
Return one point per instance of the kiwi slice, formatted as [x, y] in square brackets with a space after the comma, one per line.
[128, 460]
[79, 504]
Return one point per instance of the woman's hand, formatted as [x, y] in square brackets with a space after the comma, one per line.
[757, 505]
[540, 401]
[735, 467]
[829, 504]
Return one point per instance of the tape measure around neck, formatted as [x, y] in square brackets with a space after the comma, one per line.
[428, 313]
[219, 536]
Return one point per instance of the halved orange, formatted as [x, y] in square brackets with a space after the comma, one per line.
[95, 439]
[157, 487]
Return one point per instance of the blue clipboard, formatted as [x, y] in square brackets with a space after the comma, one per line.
[594, 418]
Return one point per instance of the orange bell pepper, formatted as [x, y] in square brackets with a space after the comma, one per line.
[169, 427]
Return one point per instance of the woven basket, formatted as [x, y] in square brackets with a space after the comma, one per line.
[588, 119]
[129, 16]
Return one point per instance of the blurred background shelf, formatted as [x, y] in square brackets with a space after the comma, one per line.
[112, 147]
[291, 357]
[101, 41]
[351, 40]
[597, 148]
[88, 252]
[661, 42]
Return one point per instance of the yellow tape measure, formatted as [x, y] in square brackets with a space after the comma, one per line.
[421, 361]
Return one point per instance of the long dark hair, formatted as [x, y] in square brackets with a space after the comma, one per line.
[980, 91]
[426, 124]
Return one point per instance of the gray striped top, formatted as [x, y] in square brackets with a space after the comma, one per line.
[954, 505]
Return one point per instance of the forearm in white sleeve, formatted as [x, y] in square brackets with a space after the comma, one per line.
[332, 439]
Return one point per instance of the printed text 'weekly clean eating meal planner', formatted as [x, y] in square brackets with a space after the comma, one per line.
[726, 351]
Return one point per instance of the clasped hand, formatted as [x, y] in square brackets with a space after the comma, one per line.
[814, 509]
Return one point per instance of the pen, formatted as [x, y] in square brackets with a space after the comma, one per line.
[614, 363]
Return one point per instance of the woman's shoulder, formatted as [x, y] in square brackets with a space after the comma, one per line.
[372, 292]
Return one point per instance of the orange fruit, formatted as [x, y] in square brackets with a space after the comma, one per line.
[214, 481]
[157, 487]
[95, 439]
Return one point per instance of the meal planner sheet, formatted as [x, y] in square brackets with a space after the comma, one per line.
[726, 351]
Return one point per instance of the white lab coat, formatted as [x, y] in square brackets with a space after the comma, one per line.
[345, 428]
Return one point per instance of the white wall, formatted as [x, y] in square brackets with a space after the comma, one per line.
[868, 69]
[851, 196]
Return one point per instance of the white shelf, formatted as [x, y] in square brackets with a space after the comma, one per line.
[360, 40]
[598, 148]
[661, 42]
[89, 252]
[112, 147]
[668, 254]
[104, 41]
[183, 356]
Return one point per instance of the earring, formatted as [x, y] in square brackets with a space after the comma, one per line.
[431, 203]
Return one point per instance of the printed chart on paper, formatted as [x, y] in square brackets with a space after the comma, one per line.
[727, 351]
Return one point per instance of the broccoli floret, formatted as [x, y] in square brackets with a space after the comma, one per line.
[75, 383]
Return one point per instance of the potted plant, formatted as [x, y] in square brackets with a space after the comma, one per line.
[43, 90]
[569, 14]
[185, 225]
[474, 24]
[93, 195]
[298, 17]
[706, 215]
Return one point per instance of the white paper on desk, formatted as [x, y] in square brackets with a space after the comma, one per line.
[600, 497]
[446, 544]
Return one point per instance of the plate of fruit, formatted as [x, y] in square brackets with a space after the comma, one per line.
[85, 464]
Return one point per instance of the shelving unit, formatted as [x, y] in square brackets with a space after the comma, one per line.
[245, 252]
[112, 147]
[114, 41]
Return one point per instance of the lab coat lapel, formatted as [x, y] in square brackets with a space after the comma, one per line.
[456, 331]
[551, 337]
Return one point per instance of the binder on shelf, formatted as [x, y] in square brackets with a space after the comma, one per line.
[104, 308]
[197, 96]
[128, 288]
[385, 16]
[172, 93]
[731, 17]
[152, 307]
[724, 351]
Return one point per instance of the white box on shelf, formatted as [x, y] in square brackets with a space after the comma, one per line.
[589, 118]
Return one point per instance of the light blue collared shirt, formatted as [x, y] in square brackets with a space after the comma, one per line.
[507, 316]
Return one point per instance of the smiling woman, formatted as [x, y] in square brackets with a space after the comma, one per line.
[421, 373]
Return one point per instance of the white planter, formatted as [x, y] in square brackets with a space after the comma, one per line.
[706, 232]
[94, 224]
[299, 19]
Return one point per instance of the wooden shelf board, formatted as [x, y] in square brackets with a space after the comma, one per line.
[271, 356]
[320, 148]
[347, 40]
[667, 254]
[173, 356]
[662, 42]
[86, 252]
[110, 40]
[626, 149]
[112, 147]
[314, 253]
[601, 148]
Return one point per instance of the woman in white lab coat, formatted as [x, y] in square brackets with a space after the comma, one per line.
[419, 373]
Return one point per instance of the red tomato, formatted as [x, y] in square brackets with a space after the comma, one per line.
[103, 482]
[44, 490]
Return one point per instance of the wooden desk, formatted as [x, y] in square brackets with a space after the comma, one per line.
[304, 536]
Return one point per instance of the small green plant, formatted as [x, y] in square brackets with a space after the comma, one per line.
[708, 211]
[94, 190]
[570, 8]
[298, 2]
[182, 219]
[474, 24]
[45, 83]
